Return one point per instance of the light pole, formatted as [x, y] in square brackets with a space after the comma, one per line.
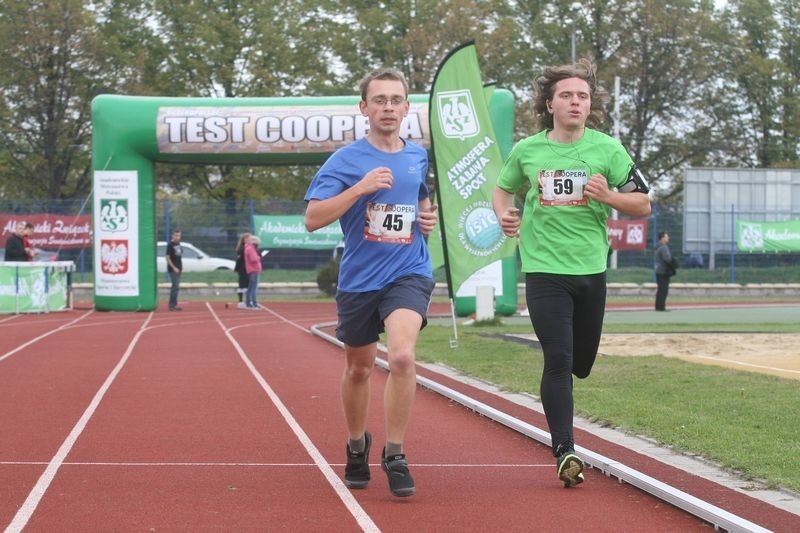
[573, 39]
[574, 11]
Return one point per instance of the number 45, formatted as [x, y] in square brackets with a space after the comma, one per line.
[393, 222]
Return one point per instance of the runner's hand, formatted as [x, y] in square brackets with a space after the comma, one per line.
[427, 219]
[597, 188]
[509, 222]
[375, 180]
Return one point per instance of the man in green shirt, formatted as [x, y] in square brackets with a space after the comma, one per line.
[576, 176]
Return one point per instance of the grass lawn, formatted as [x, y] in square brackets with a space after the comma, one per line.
[741, 420]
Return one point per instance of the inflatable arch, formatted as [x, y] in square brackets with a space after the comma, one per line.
[129, 134]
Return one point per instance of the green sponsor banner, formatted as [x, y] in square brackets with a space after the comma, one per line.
[8, 289]
[32, 289]
[468, 161]
[768, 236]
[289, 231]
[435, 241]
[57, 290]
[32, 296]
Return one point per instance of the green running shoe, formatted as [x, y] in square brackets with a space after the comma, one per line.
[570, 469]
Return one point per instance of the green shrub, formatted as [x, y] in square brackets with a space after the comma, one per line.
[327, 277]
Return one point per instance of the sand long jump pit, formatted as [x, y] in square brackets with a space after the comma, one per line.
[777, 354]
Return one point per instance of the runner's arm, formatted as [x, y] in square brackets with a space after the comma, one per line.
[636, 204]
[320, 213]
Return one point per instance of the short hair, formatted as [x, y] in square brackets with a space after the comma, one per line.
[545, 89]
[28, 225]
[661, 234]
[176, 231]
[381, 74]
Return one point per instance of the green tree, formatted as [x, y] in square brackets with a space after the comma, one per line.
[661, 60]
[218, 48]
[658, 51]
[410, 35]
[761, 59]
[48, 79]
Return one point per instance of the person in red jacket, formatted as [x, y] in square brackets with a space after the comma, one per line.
[252, 263]
[26, 242]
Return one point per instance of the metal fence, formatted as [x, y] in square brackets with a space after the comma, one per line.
[214, 227]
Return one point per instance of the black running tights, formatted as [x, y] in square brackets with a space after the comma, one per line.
[567, 316]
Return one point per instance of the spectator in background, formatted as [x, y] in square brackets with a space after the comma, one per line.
[252, 263]
[665, 266]
[241, 271]
[15, 244]
[174, 268]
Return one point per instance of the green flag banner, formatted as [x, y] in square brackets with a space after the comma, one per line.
[289, 231]
[468, 161]
[768, 236]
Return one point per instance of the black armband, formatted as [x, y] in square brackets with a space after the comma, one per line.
[636, 182]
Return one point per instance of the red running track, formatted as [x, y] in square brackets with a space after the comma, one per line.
[225, 419]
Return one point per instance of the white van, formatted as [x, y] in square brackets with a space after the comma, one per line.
[194, 259]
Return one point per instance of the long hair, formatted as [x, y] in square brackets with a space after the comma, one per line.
[545, 87]
[240, 244]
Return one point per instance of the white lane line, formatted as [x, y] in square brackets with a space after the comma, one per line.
[731, 361]
[284, 319]
[279, 465]
[358, 512]
[43, 335]
[32, 501]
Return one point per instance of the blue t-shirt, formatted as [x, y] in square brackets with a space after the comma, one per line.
[382, 241]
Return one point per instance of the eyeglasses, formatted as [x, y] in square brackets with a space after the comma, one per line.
[382, 100]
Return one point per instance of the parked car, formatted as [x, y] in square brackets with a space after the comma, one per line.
[194, 259]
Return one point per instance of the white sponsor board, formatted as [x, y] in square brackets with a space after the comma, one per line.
[116, 233]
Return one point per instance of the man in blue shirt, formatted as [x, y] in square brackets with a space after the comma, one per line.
[376, 188]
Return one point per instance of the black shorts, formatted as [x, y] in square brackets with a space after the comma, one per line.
[361, 314]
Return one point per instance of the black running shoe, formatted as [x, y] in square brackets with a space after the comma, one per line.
[400, 481]
[356, 473]
[570, 468]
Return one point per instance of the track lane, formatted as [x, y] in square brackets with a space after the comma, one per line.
[186, 439]
[205, 489]
[749, 508]
[51, 383]
[16, 335]
[479, 475]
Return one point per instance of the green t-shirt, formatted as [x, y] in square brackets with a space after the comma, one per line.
[562, 231]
